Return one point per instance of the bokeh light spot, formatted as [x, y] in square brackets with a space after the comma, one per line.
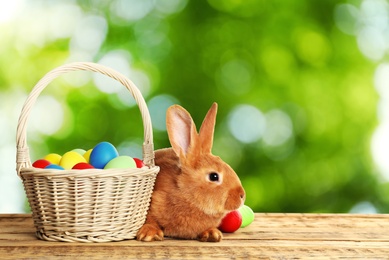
[346, 16]
[380, 139]
[170, 6]
[381, 80]
[375, 13]
[131, 10]
[371, 43]
[278, 62]
[157, 107]
[236, 76]
[47, 116]
[131, 148]
[141, 81]
[152, 38]
[278, 128]
[247, 123]
[312, 47]
[10, 184]
[118, 60]
[5, 129]
[89, 35]
[64, 19]
[364, 207]
[8, 9]
[380, 149]
[77, 78]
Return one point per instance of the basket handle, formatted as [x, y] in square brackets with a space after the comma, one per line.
[22, 151]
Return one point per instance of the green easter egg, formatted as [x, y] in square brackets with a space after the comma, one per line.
[79, 151]
[121, 162]
[247, 215]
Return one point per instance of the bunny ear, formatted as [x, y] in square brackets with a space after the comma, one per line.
[207, 129]
[181, 129]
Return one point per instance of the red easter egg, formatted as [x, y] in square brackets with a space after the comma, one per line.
[82, 166]
[139, 163]
[41, 163]
[231, 222]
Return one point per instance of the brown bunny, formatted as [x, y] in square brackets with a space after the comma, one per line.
[194, 189]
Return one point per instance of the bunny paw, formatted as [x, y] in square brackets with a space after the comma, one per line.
[149, 232]
[211, 235]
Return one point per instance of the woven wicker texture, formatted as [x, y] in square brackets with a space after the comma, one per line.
[87, 205]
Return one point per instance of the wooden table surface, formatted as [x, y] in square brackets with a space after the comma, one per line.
[270, 236]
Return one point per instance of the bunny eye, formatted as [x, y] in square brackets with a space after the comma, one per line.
[213, 176]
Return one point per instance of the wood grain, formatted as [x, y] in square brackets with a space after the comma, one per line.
[270, 236]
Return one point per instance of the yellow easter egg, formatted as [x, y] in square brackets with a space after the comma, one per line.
[70, 159]
[87, 154]
[54, 158]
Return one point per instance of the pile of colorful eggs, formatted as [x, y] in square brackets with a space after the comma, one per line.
[103, 156]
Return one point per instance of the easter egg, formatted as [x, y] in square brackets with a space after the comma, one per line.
[121, 162]
[54, 166]
[82, 166]
[139, 163]
[101, 154]
[53, 158]
[79, 151]
[231, 222]
[247, 215]
[70, 159]
[41, 163]
[87, 155]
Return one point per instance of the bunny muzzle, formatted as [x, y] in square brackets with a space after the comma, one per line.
[235, 199]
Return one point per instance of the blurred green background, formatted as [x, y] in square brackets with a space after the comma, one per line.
[302, 88]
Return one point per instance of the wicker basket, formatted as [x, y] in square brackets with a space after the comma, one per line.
[87, 205]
